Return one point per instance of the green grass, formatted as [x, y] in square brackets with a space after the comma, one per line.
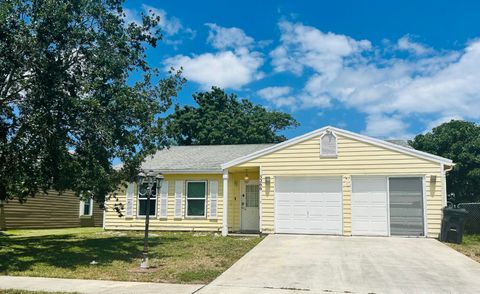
[178, 257]
[470, 246]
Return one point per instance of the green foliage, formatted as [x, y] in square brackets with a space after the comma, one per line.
[221, 118]
[459, 141]
[67, 107]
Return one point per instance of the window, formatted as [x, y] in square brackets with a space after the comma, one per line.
[252, 195]
[86, 207]
[196, 195]
[328, 145]
[142, 199]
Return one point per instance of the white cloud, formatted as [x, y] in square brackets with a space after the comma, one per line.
[389, 89]
[224, 38]
[405, 43]
[304, 46]
[224, 68]
[390, 127]
[274, 92]
[279, 96]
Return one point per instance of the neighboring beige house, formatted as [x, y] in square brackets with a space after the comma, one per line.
[329, 181]
[51, 211]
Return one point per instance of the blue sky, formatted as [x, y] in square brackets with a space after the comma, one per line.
[385, 69]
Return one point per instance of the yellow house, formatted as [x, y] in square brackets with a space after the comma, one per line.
[329, 181]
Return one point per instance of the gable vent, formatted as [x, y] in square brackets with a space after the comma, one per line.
[328, 144]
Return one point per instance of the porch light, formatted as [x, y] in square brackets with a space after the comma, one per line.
[267, 181]
[433, 178]
[246, 176]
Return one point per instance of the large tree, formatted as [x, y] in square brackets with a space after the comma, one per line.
[460, 141]
[221, 118]
[68, 105]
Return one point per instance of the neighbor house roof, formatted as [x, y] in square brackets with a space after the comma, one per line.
[403, 143]
[198, 158]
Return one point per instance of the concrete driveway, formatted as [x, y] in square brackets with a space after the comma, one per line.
[320, 264]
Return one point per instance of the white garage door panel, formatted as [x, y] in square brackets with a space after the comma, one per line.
[308, 205]
[369, 206]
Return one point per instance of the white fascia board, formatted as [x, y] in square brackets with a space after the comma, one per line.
[373, 141]
[199, 171]
[392, 146]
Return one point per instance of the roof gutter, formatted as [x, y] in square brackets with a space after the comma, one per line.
[450, 167]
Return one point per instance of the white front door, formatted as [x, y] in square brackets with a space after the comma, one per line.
[249, 203]
[369, 206]
[308, 205]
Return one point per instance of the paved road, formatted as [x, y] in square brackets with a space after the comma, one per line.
[321, 264]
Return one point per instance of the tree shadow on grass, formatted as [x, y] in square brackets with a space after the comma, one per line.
[72, 251]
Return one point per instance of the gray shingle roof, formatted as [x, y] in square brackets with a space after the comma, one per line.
[198, 157]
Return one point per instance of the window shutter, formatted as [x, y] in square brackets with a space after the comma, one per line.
[328, 145]
[164, 200]
[213, 199]
[129, 199]
[178, 198]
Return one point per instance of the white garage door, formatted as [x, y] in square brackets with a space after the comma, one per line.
[369, 206]
[308, 205]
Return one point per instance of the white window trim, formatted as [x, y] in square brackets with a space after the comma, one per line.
[82, 205]
[336, 145]
[205, 199]
[145, 198]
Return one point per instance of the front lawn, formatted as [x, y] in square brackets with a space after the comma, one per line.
[470, 246]
[67, 253]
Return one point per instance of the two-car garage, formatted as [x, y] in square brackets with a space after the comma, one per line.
[380, 205]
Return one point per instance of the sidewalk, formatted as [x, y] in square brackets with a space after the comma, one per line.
[92, 286]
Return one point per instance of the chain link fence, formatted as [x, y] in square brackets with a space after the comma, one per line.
[472, 225]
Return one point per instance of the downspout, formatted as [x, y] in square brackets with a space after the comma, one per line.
[444, 182]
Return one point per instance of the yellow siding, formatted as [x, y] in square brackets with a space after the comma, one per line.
[354, 158]
[52, 210]
[113, 221]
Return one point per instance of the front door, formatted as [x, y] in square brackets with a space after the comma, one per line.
[250, 213]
